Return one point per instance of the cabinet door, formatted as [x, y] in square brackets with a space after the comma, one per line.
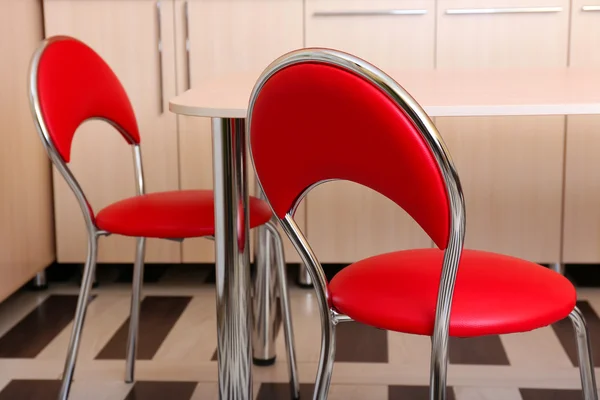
[216, 37]
[511, 167]
[376, 30]
[346, 221]
[26, 232]
[581, 239]
[127, 34]
[502, 33]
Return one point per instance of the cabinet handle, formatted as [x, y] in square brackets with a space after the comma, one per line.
[367, 13]
[160, 59]
[186, 12]
[590, 8]
[514, 10]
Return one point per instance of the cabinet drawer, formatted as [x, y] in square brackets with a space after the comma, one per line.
[392, 34]
[585, 33]
[502, 33]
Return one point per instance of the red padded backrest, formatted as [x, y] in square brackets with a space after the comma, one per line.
[313, 122]
[75, 84]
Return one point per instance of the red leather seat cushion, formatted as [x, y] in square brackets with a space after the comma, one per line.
[177, 214]
[494, 294]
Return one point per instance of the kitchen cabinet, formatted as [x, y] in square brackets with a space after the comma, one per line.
[215, 37]
[511, 167]
[581, 238]
[346, 221]
[136, 38]
[26, 231]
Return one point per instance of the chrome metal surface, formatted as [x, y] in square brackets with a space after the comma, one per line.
[134, 317]
[265, 307]
[431, 136]
[584, 352]
[373, 13]
[590, 8]
[138, 169]
[558, 267]
[288, 328]
[232, 260]
[339, 318]
[186, 12]
[325, 366]
[39, 280]
[161, 96]
[82, 303]
[304, 276]
[507, 10]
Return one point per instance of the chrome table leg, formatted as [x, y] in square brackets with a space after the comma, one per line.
[265, 307]
[232, 259]
[304, 277]
[40, 281]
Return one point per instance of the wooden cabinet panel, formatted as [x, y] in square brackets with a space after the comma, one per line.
[391, 34]
[346, 221]
[226, 37]
[581, 238]
[511, 173]
[26, 232]
[126, 34]
[502, 33]
[511, 167]
[585, 34]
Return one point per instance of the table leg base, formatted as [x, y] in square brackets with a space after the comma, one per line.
[259, 362]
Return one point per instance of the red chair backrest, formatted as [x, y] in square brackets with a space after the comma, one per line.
[314, 121]
[74, 84]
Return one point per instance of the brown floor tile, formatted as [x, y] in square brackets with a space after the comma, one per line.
[36, 330]
[158, 315]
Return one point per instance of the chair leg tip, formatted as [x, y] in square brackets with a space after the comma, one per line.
[262, 362]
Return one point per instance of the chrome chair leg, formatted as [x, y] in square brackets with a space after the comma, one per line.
[438, 369]
[326, 360]
[286, 311]
[267, 316]
[82, 303]
[586, 365]
[134, 317]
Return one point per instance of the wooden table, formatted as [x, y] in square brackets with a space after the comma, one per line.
[441, 93]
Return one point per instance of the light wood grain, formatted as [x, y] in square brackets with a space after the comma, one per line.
[346, 221]
[226, 37]
[26, 233]
[581, 237]
[511, 168]
[442, 93]
[381, 39]
[511, 173]
[125, 34]
[585, 35]
[502, 40]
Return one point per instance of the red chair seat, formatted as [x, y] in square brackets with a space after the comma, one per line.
[494, 294]
[174, 215]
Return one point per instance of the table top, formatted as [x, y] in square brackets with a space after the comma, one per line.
[441, 93]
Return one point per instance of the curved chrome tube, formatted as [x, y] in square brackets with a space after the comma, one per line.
[584, 352]
[453, 188]
[286, 310]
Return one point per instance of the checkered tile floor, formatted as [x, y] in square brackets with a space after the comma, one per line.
[176, 358]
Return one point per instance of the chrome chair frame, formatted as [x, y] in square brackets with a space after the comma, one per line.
[94, 233]
[329, 316]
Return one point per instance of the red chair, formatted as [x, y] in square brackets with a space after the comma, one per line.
[70, 84]
[317, 115]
